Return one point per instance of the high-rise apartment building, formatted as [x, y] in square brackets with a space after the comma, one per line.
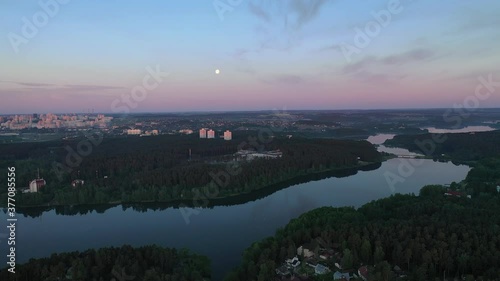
[211, 134]
[203, 133]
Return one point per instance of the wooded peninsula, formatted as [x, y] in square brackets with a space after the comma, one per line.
[172, 167]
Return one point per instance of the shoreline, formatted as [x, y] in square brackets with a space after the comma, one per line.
[221, 199]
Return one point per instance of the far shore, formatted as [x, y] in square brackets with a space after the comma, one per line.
[189, 201]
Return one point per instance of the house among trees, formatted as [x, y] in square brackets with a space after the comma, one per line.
[454, 193]
[293, 262]
[77, 183]
[363, 273]
[341, 276]
[37, 184]
[306, 250]
[320, 269]
[282, 270]
[325, 256]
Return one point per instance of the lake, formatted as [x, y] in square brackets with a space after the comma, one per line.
[221, 232]
[468, 129]
[379, 139]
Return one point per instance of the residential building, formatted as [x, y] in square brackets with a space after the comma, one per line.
[211, 134]
[150, 133]
[293, 262]
[363, 273]
[320, 269]
[203, 133]
[36, 185]
[228, 135]
[306, 251]
[134, 132]
[325, 256]
[252, 154]
[77, 183]
[282, 270]
[453, 193]
[341, 276]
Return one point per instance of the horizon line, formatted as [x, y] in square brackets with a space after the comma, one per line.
[242, 111]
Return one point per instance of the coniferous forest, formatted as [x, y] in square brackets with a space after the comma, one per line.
[148, 263]
[168, 168]
[430, 237]
[461, 147]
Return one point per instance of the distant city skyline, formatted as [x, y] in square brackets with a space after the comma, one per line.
[247, 56]
[236, 111]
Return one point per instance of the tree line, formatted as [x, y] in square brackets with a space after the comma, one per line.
[148, 263]
[162, 169]
[428, 236]
[457, 146]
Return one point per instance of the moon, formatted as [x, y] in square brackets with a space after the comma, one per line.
[217, 71]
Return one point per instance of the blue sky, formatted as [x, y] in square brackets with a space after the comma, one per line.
[270, 54]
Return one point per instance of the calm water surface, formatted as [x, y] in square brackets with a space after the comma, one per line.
[468, 129]
[379, 139]
[222, 232]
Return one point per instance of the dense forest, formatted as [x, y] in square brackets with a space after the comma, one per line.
[457, 146]
[148, 263]
[483, 179]
[162, 169]
[71, 210]
[429, 237]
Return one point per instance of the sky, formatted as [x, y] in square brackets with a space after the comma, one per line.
[67, 56]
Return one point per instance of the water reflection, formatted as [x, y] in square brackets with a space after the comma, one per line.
[379, 139]
[224, 229]
[230, 201]
[468, 129]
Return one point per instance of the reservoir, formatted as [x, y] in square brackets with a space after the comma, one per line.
[223, 231]
[468, 129]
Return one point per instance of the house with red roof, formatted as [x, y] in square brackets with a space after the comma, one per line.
[454, 193]
[36, 185]
[363, 273]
